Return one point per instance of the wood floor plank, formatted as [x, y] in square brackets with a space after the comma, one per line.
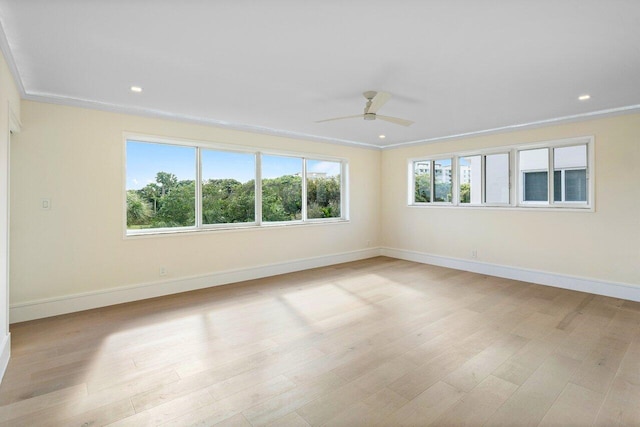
[236, 421]
[427, 407]
[598, 370]
[531, 401]
[480, 366]
[279, 406]
[39, 403]
[422, 378]
[327, 406]
[621, 407]
[372, 411]
[220, 410]
[167, 411]
[519, 367]
[478, 405]
[576, 405]
[375, 342]
[292, 419]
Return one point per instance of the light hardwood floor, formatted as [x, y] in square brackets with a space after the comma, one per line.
[379, 342]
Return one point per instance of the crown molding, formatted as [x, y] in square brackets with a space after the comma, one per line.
[148, 112]
[11, 63]
[529, 125]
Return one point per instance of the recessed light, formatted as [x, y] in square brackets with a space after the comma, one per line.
[584, 97]
[136, 89]
[381, 136]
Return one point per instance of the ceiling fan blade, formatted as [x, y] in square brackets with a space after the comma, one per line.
[340, 118]
[401, 122]
[378, 101]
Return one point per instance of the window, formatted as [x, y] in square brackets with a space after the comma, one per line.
[484, 179]
[281, 188]
[323, 189]
[442, 181]
[496, 178]
[422, 181]
[439, 183]
[554, 174]
[568, 183]
[228, 187]
[570, 174]
[470, 178]
[161, 190]
[534, 170]
[172, 186]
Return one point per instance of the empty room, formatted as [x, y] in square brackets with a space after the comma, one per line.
[285, 213]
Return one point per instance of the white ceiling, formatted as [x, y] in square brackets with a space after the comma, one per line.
[453, 66]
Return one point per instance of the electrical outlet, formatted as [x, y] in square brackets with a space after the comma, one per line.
[368, 243]
[163, 271]
[474, 253]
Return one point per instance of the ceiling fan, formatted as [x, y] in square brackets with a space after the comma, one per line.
[375, 100]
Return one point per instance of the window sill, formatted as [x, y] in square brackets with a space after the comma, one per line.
[542, 208]
[226, 228]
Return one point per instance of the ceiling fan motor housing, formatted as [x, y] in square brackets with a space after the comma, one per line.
[370, 94]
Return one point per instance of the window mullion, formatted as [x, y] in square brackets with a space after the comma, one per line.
[432, 180]
[198, 188]
[483, 179]
[514, 178]
[304, 189]
[258, 189]
[343, 190]
[551, 178]
[455, 196]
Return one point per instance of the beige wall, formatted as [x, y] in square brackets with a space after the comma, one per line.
[74, 156]
[602, 245]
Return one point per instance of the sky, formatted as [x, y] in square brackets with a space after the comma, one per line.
[145, 160]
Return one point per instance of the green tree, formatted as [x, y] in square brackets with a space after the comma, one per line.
[282, 198]
[177, 208]
[167, 181]
[423, 187]
[465, 193]
[151, 193]
[228, 201]
[323, 197]
[442, 192]
[138, 210]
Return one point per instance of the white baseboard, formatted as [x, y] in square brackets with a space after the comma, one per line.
[38, 309]
[5, 353]
[77, 302]
[592, 286]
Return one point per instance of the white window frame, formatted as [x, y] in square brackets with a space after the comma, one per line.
[199, 199]
[303, 188]
[258, 153]
[344, 167]
[515, 177]
[432, 160]
[551, 146]
[563, 184]
[482, 184]
[483, 176]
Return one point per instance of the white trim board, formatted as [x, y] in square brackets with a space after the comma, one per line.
[5, 353]
[592, 286]
[38, 309]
